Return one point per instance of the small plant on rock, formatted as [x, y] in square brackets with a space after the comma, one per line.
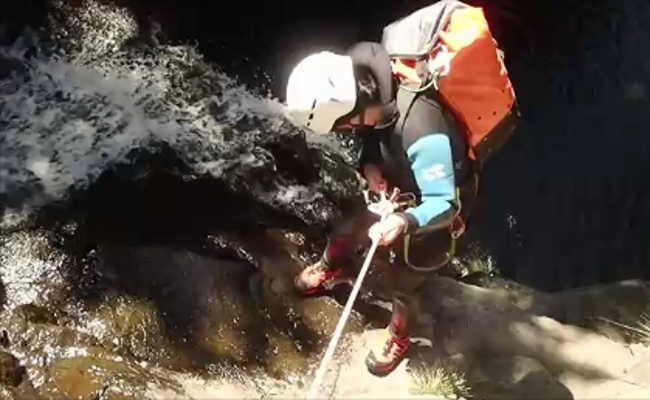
[644, 328]
[439, 380]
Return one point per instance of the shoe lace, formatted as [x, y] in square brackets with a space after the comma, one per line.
[322, 275]
[398, 345]
[329, 278]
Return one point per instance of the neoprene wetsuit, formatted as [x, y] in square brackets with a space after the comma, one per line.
[422, 152]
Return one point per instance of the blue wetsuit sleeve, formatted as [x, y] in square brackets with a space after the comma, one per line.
[432, 165]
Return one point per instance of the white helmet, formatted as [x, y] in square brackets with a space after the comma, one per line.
[321, 89]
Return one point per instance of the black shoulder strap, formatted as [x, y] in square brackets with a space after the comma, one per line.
[405, 101]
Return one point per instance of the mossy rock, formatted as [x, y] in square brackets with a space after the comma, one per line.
[308, 320]
[283, 357]
[10, 394]
[24, 391]
[35, 314]
[132, 325]
[51, 339]
[231, 329]
[11, 372]
[90, 378]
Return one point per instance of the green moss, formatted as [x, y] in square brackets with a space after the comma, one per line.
[91, 377]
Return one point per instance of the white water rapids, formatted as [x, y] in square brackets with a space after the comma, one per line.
[68, 114]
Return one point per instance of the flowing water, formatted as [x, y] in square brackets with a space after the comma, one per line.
[143, 190]
[118, 143]
[97, 97]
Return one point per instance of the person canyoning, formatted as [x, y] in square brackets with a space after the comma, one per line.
[412, 141]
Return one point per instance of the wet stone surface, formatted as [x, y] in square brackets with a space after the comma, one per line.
[153, 211]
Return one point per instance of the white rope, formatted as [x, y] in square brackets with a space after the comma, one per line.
[341, 324]
[383, 207]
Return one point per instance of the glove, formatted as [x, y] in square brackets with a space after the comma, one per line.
[387, 230]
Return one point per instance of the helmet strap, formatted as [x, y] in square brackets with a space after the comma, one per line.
[389, 115]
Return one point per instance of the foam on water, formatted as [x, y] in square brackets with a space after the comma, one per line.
[69, 114]
[94, 98]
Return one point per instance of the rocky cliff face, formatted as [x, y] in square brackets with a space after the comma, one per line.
[563, 204]
[153, 207]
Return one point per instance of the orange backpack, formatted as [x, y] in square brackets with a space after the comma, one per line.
[448, 47]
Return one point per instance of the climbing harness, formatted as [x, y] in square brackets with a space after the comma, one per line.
[404, 200]
[456, 230]
[383, 207]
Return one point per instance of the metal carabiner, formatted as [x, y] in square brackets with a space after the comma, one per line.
[406, 200]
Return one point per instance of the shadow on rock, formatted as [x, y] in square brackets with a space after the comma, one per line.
[605, 308]
[517, 378]
[202, 302]
[308, 322]
[186, 310]
[509, 349]
[151, 205]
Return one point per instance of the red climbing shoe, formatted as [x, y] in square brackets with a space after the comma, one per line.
[317, 278]
[387, 353]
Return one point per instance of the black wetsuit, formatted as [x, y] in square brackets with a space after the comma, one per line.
[423, 152]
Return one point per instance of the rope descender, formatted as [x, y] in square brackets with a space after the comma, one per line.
[381, 204]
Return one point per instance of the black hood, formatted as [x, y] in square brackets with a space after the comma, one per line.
[373, 56]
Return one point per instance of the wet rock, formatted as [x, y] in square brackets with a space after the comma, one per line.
[302, 328]
[517, 378]
[322, 315]
[10, 66]
[32, 262]
[11, 394]
[468, 322]
[230, 141]
[35, 314]
[11, 372]
[5, 393]
[36, 336]
[202, 306]
[337, 177]
[40, 344]
[90, 378]
[133, 326]
[284, 357]
[238, 245]
[602, 308]
[310, 320]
